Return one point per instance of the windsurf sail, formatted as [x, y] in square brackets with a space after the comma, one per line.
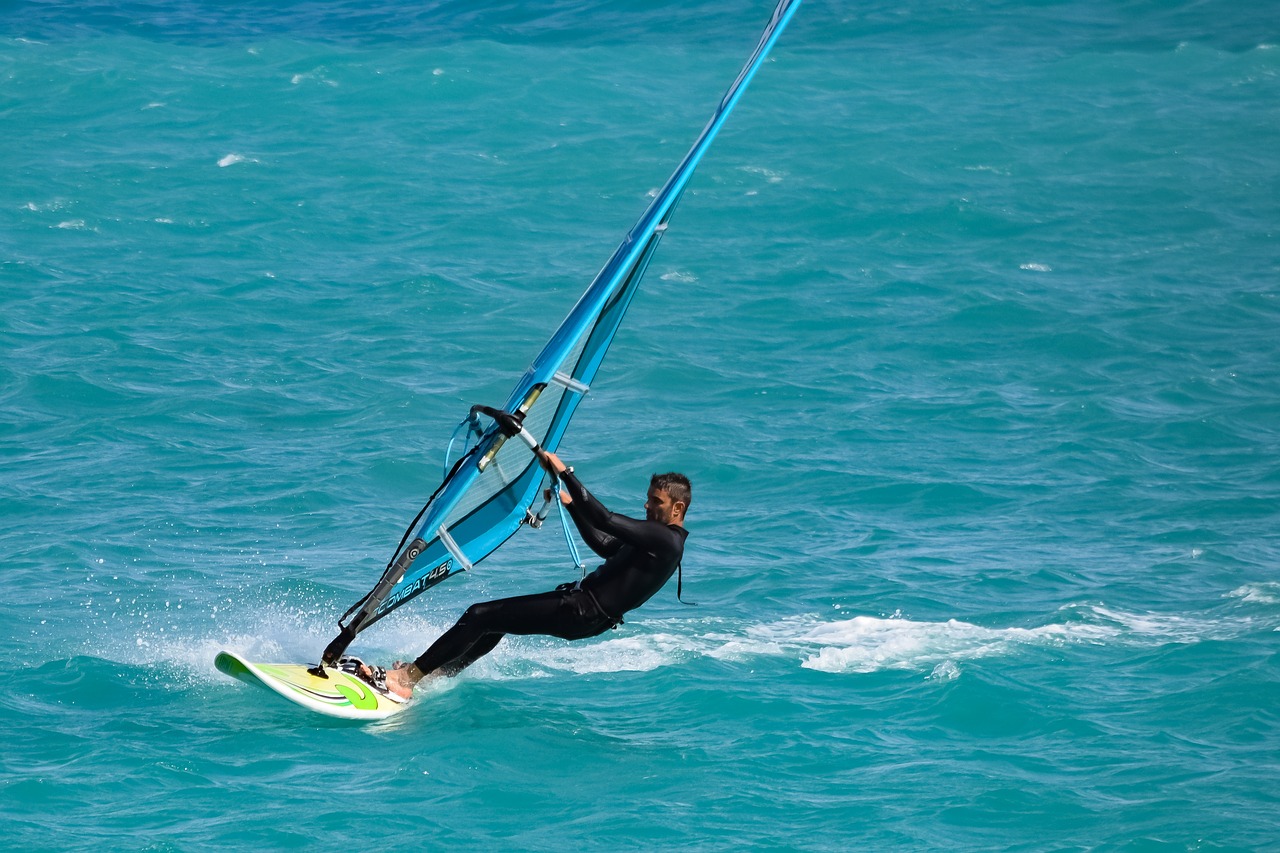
[487, 491]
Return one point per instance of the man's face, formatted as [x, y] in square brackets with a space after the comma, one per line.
[659, 507]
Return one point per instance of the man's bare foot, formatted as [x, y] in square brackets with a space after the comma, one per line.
[402, 678]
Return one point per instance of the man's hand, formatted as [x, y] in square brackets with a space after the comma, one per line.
[551, 463]
[564, 496]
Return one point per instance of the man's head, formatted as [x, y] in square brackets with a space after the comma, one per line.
[668, 499]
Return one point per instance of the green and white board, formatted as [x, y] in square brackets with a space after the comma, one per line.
[338, 694]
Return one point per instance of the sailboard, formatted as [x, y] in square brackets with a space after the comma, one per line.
[332, 692]
[491, 484]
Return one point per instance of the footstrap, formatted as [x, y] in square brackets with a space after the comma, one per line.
[375, 677]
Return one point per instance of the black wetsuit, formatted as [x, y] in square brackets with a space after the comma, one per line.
[640, 556]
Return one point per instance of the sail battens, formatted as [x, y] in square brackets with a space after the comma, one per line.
[566, 381]
[452, 547]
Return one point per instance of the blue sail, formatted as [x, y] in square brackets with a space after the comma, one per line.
[486, 495]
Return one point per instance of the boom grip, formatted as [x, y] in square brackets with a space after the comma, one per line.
[510, 424]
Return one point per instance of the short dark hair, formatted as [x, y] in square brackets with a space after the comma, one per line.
[675, 485]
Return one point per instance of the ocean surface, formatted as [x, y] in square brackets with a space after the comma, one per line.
[967, 332]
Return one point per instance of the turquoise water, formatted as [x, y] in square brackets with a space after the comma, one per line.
[966, 333]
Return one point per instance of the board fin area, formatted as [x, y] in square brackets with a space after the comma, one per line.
[336, 694]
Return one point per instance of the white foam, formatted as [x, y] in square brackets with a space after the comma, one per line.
[945, 671]
[626, 653]
[1034, 267]
[1257, 593]
[680, 276]
[232, 159]
[316, 75]
[869, 644]
[866, 644]
[769, 175]
[274, 633]
[1162, 628]
[289, 631]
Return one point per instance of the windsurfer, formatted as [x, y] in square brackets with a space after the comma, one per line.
[640, 557]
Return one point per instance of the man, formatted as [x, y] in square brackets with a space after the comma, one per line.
[640, 557]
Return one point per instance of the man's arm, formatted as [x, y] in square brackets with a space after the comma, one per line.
[591, 515]
[597, 540]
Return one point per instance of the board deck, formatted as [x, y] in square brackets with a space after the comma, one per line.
[338, 695]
